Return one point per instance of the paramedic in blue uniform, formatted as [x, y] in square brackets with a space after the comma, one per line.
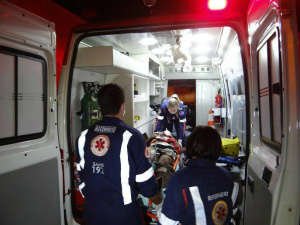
[200, 193]
[172, 112]
[112, 165]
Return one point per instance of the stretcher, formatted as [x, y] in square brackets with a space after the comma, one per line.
[165, 156]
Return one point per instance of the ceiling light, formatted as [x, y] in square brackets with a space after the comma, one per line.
[202, 38]
[149, 3]
[202, 59]
[202, 49]
[217, 4]
[166, 46]
[148, 41]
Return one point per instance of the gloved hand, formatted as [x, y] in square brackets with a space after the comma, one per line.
[158, 207]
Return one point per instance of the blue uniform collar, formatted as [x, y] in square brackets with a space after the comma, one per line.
[201, 162]
[111, 119]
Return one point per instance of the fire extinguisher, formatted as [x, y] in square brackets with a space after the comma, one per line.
[89, 105]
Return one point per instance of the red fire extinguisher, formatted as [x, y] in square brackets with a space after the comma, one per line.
[219, 100]
[78, 199]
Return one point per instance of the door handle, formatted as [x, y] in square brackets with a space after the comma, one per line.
[251, 184]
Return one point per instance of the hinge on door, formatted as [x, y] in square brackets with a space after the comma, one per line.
[68, 160]
[68, 193]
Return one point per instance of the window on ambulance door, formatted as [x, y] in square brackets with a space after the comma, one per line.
[22, 96]
[270, 90]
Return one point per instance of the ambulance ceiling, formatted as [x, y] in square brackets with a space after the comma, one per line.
[197, 46]
[111, 10]
[200, 46]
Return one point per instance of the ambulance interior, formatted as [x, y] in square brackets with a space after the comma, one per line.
[193, 63]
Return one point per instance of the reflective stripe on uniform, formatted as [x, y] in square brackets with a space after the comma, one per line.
[78, 167]
[198, 205]
[126, 191]
[182, 121]
[81, 142]
[235, 192]
[160, 117]
[165, 220]
[144, 176]
[81, 186]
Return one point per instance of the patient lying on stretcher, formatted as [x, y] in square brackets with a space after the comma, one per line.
[164, 154]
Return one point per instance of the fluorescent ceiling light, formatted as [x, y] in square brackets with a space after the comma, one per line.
[202, 49]
[166, 46]
[158, 51]
[148, 41]
[202, 38]
[202, 59]
[217, 4]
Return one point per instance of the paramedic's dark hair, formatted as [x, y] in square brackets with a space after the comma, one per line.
[110, 99]
[204, 142]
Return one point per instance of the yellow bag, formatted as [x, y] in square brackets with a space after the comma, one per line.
[230, 147]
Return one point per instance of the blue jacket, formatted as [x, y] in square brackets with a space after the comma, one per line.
[201, 193]
[113, 169]
[165, 119]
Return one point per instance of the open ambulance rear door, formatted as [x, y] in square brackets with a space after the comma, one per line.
[30, 162]
[273, 168]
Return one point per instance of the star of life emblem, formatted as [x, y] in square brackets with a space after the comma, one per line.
[100, 145]
[219, 213]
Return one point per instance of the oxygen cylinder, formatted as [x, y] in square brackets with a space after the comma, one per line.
[89, 107]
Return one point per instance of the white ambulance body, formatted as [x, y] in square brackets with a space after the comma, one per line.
[258, 75]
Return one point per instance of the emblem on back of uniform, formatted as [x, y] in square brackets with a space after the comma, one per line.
[219, 213]
[181, 113]
[100, 145]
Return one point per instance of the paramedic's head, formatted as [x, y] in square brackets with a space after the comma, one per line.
[111, 100]
[175, 96]
[173, 105]
[204, 142]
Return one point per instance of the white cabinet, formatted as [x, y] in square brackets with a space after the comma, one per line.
[141, 101]
[155, 88]
[129, 73]
[106, 60]
[152, 91]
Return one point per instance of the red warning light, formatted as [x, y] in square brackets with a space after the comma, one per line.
[217, 4]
